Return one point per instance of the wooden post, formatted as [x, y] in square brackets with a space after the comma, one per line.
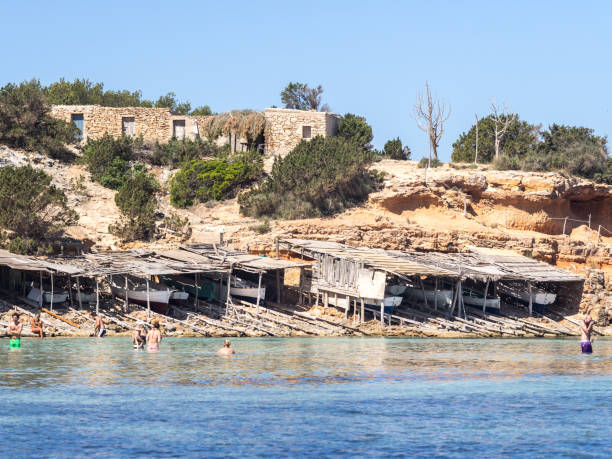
[530, 299]
[70, 291]
[455, 297]
[423, 290]
[436, 296]
[484, 301]
[564, 223]
[229, 288]
[197, 291]
[51, 303]
[362, 317]
[148, 301]
[301, 301]
[40, 285]
[259, 291]
[382, 313]
[598, 233]
[589, 233]
[97, 296]
[277, 243]
[127, 300]
[79, 292]
[347, 307]
[278, 287]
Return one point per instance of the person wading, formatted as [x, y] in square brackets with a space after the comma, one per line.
[154, 337]
[99, 326]
[585, 331]
[14, 330]
[138, 337]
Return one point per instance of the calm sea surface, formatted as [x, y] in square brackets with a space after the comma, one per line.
[306, 398]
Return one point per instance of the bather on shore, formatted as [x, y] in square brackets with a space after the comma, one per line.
[36, 325]
[226, 349]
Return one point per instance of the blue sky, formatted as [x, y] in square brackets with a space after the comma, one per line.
[548, 60]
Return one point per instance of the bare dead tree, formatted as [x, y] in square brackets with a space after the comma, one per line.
[431, 114]
[476, 155]
[502, 121]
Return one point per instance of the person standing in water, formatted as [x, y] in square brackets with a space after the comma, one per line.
[99, 326]
[15, 331]
[138, 337]
[154, 337]
[226, 349]
[585, 331]
[36, 325]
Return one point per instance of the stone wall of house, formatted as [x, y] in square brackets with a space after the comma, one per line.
[153, 124]
[285, 128]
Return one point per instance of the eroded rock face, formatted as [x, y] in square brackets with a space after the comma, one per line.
[533, 201]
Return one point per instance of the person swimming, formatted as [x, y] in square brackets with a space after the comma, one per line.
[154, 337]
[138, 337]
[36, 325]
[14, 330]
[585, 332]
[226, 349]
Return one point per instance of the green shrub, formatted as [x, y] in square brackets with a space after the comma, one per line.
[137, 203]
[205, 180]
[506, 163]
[25, 122]
[319, 177]
[107, 159]
[263, 227]
[31, 209]
[393, 149]
[176, 152]
[425, 161]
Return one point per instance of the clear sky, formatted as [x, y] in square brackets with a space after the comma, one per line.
[548, 60]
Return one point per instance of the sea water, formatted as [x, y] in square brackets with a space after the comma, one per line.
[306, 397]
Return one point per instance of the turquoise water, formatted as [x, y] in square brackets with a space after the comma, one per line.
[294, 397]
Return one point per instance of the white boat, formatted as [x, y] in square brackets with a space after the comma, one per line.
[445, 297]
[476, 299]
[158, 299]
[390, 302]
[85, 297]
[540, 297]
[244, 289]
[396, 290]
[179, 297]
[58, 297]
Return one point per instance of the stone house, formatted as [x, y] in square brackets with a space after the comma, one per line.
[284, 128]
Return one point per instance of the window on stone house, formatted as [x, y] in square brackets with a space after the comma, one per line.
[128, 126]
[78, 120]
[306, 132]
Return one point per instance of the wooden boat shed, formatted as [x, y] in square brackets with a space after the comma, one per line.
[361, 273]
[210, 260]
[357, 274]
[492, 266]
